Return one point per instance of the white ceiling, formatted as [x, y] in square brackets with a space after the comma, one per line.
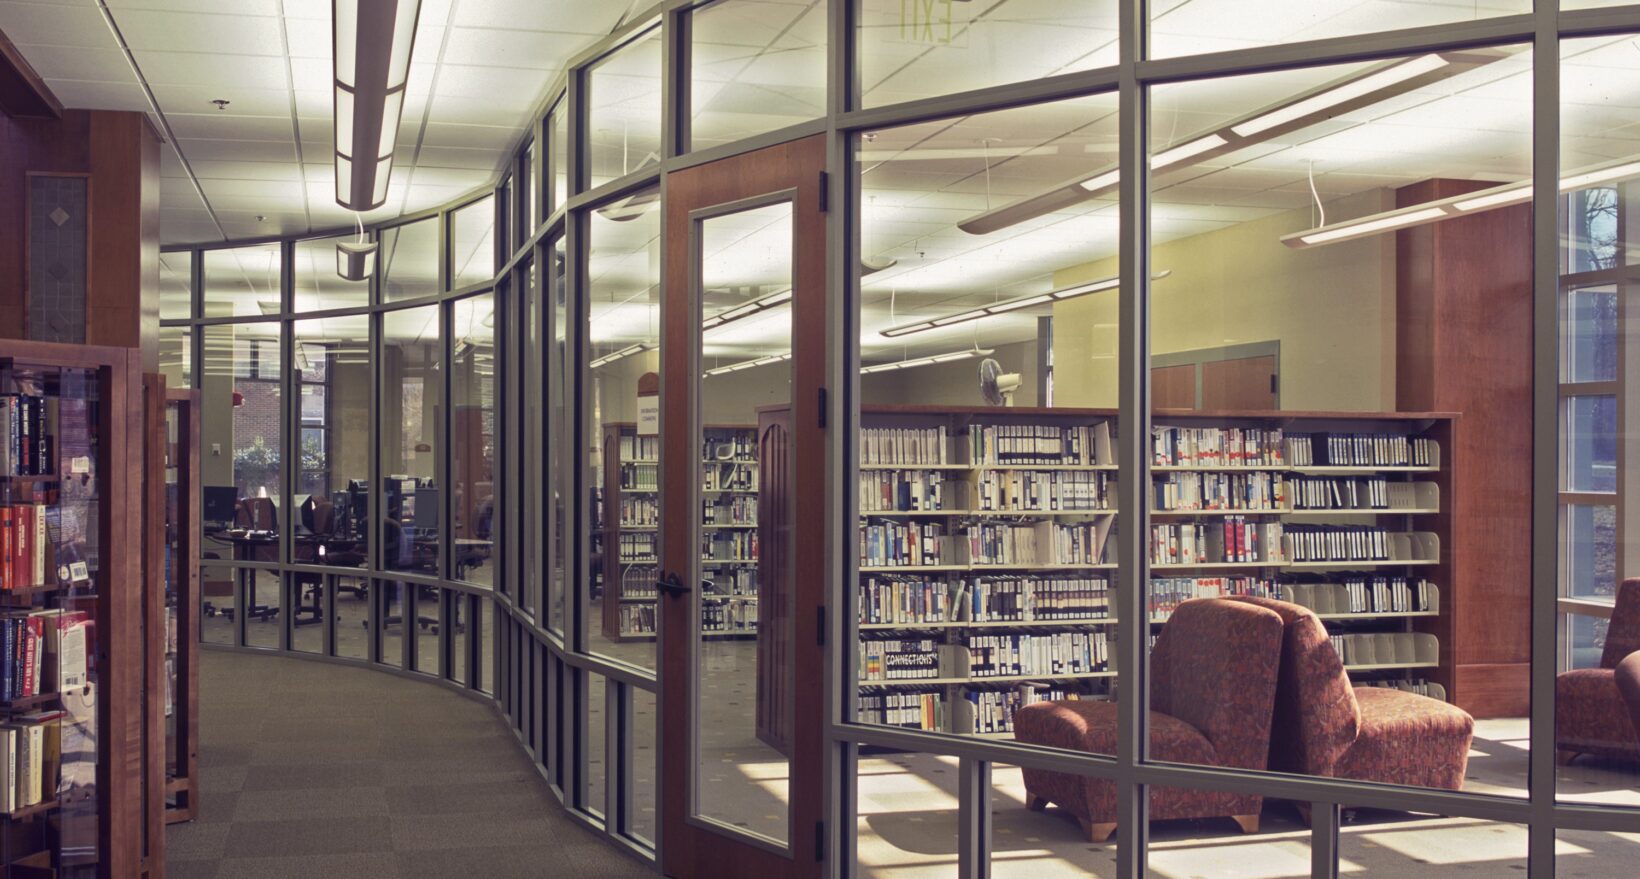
[479, 69]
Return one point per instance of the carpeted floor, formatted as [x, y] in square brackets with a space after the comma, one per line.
[315, 770]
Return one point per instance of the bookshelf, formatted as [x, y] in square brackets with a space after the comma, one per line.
[76, 590]
[984, 537]
[631, 526]
[181, 599]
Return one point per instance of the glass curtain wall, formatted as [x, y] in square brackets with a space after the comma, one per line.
[1251, 399]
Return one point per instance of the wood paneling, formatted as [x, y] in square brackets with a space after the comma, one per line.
[1173, 387]
[691, 850]
[1463, 343]
[1242, 383]
[22, 91]
[120, 152]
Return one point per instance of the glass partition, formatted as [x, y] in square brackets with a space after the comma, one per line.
[318, 286]
[985, 571]
[176, 284]
[1187, 27]
[623, 362]
[916, 50]
[333, 377]
[623, 128]
[475, 543]
[758, 65]
[412, 389]
[472, 243]
[1304, 451]
[408, 259]
[242, 281]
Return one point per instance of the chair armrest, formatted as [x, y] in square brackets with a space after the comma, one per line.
[1628, 684]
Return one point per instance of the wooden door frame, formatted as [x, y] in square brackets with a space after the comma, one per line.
[795, 168]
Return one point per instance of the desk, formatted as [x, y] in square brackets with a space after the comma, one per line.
[250, 546]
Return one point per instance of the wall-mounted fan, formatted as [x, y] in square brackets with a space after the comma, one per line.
[996, 386]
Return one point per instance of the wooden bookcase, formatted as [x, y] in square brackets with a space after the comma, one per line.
[1038, 494]
[98, 792]
[181, 595]
[631, 525]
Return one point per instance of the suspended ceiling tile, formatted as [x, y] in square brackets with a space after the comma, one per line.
[246, 7]
[480, 136]
[79, 63]
[201, 152]
[241, 170]
[213, 71]
[226, 33]
[170, 166]
[99, 95]
[569, 16]
[36, 24]
[459, 157]
[536, 50]
[226, 187]
[176, 99]
[506, 109]
[308, 38]
[225, 126]
[311, 74]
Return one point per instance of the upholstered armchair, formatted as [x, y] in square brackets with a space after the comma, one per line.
[1597, 710]
[1326, 726]
[1213, 681]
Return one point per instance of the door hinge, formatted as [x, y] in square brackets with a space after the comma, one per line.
[822, 419]
[825, 192]
[820, 840]
[820, 626]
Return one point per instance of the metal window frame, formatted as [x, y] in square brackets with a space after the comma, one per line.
[560, 734]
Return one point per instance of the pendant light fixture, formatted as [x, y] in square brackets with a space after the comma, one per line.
[356, 259]
[371, 44]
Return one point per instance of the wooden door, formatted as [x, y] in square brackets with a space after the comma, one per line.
[1173, 387]
[1243, 383]
[730, 350]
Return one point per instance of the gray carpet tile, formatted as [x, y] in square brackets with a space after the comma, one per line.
[313, 769]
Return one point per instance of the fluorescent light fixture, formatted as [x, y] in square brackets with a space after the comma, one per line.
[1014, 304]
[748, 364]
[1594, 177]
[1502, 195]
[1101, 182]
[1361, 89]
[1188, 150]
[1495, 199]
[628, 351]
[747, 309]
[355, 260]
[928, 361]
[1374, 225]
[1355, 89]
[371, 44]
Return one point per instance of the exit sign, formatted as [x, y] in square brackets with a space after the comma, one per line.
[933, 22]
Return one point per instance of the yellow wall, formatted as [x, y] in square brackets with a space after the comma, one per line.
[1332, 308]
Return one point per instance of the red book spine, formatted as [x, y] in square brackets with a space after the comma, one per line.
[33, 628]
[25, 545]
[19, 549]
[6, 581]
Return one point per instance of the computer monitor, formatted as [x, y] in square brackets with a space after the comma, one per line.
[427, 509]
[217, 503]
[264, 514]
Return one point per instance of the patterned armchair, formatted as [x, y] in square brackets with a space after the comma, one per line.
[1597, 710]
[1213, 682]
[1325, 726]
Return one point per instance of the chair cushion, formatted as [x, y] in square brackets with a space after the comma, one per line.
[1214, 667]
[1408, 739]
[1090, 727]
[1591, 716]
[1316, 716]
[1623, 632]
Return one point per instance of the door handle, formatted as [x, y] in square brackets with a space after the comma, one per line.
[672, 584]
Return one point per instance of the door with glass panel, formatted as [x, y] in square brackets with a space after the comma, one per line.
[740, 582]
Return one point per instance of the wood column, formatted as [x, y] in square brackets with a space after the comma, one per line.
[1463, 344]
